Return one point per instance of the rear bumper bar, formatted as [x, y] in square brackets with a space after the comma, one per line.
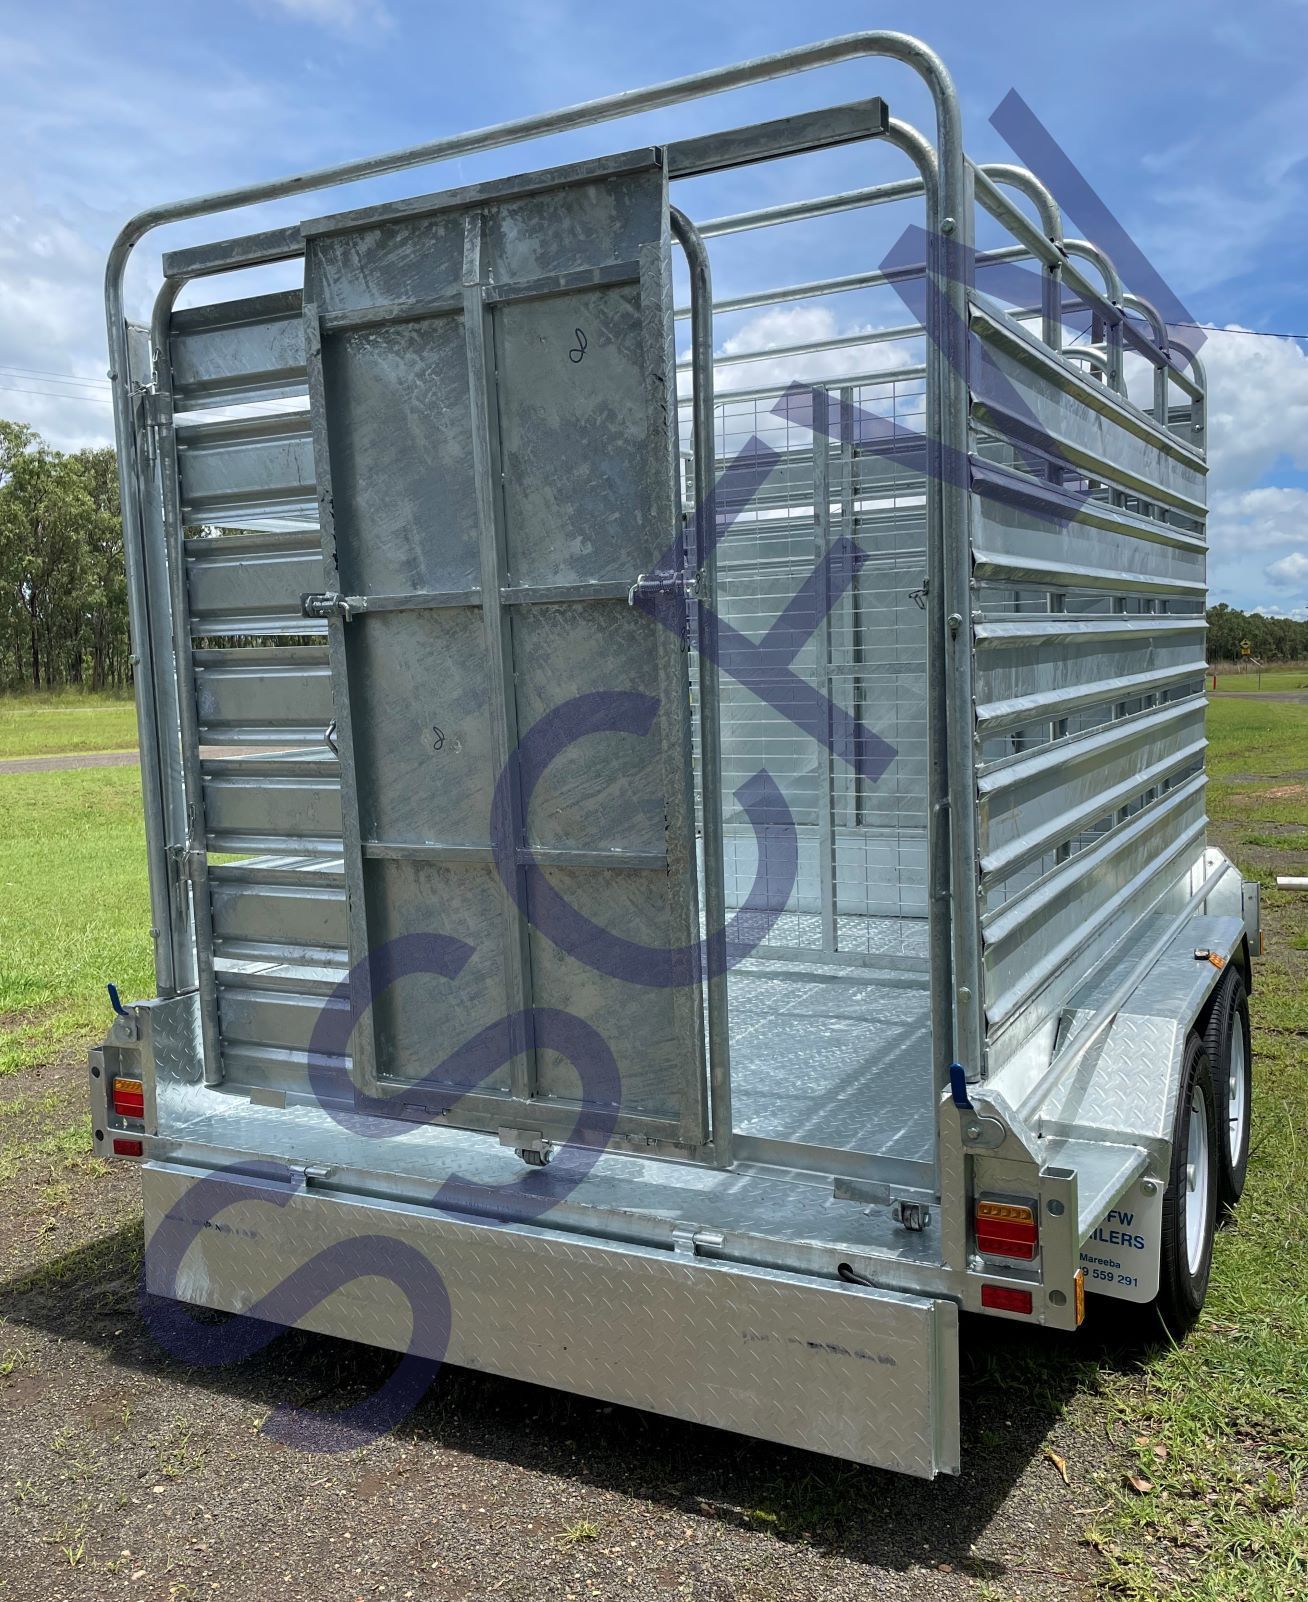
[859, 1373]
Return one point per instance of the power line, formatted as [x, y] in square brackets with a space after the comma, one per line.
[56, 394]
[1256, 333]
[63, 378]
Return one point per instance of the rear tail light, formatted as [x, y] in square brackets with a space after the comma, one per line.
[128, 1099]
[1006, 1229]
[1005, 1299]
[129, 1148]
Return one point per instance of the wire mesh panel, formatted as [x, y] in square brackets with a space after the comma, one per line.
[824, 570]
[821, 570]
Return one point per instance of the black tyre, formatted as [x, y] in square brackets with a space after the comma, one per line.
[1190, 1201]
[1226, 1039]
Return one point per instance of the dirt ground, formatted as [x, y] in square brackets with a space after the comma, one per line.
[127, 1474]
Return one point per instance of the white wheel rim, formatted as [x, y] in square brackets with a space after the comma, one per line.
[1236, 1092]
[1196, 1182]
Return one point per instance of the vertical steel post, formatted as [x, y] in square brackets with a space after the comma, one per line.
[703, 421]
[497, 627]
[822, 646]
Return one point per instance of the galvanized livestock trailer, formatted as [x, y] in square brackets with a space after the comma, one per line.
[675, 875]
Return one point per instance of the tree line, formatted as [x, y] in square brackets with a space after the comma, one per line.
[1270, 639]
[63, 594]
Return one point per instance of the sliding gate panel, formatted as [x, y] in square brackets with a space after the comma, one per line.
[496, 464]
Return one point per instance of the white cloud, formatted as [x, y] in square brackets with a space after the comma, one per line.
[778, 327]
[1290, 572]
[91, 155]
[1257, 405]
[1258, 519]
[1294, 614]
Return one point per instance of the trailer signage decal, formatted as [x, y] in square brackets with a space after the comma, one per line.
[1120, 1257]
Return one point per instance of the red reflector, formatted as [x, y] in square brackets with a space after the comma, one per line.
[1005, 1299]
[129, 1098]
[136, 1148]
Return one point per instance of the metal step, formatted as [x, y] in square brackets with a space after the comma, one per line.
[1104, 1173]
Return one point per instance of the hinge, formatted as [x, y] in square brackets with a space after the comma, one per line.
[154, 412]
[688, 1240]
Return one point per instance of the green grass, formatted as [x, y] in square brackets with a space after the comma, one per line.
[61, 724]
[1276, 678]
[74, 909]
[1218, 1427]
[1265, 738]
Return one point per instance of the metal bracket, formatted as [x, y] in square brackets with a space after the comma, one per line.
[910, 1214]
[530, 1145]
[911, 1210]
[327, 604]
[653, 585]
[154, 410]
[982, 1132]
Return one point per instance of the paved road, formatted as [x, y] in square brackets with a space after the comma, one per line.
[111, 759]
[1266, 695]
[77, 759]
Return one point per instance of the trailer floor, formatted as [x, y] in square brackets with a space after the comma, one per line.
[833, 1056]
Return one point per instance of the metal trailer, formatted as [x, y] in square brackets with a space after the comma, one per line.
[784, 809]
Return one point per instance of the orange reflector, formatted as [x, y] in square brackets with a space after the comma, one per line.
[129, 1098]
[1006, 1229]
[1078, 1283]
[129, 1148]
[1005, 1299]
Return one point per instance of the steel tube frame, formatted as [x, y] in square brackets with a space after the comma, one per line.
[703, 428]
[948, 338]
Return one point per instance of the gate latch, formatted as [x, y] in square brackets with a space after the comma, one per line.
[328, 604]
[652, 585]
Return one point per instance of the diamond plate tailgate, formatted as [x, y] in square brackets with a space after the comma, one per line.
[863, 1374]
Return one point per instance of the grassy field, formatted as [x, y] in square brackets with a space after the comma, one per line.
[1271, 678]
[1216, 1509]
[64, 723]
[74, 910]
[1184, 1466]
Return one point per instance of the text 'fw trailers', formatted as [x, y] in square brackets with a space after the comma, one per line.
[676, 816]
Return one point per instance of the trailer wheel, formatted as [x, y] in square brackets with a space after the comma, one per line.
[1227, 1041]
[1190, 1201]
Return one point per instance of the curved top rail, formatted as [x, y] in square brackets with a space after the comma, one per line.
[629, 102]
[1101, 259]
[1026, 183]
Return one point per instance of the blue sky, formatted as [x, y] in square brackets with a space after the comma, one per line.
[1189, 117]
